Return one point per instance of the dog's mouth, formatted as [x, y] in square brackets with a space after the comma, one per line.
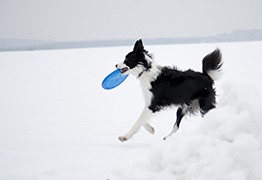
[124, 70]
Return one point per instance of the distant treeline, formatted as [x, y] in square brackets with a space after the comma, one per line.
[234, 36]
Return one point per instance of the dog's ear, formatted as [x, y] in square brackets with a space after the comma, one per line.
[138, 46]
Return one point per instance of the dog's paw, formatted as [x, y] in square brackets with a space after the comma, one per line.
[122, 138]
[152, 130]
[174, 130]
[149, 128]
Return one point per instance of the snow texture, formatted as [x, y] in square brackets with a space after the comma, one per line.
[57, 123]
[227, 144]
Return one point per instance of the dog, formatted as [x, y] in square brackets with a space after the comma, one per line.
[165, 86]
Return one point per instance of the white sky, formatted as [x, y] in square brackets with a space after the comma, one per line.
[78, 20]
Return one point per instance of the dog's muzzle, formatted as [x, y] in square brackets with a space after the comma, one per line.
[124, 70]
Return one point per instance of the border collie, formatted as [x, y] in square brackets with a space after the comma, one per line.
[166, 86]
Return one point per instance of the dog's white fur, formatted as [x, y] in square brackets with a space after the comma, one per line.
[146, 78]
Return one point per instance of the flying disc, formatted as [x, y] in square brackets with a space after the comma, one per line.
[113, 80]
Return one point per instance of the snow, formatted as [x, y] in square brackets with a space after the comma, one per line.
[227, 145]
[57, 123]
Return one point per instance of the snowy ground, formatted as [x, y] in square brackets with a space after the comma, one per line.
[57, 123]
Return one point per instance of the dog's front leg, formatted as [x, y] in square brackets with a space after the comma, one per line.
[149, 128]
[146, 114]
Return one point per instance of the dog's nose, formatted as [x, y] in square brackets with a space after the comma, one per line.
[116, 65]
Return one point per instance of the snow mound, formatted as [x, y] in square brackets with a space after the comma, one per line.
[227, 145]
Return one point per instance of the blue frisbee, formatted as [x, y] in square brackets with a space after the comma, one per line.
[113, 80]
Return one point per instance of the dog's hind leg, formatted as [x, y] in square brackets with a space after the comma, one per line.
[146, 114]
[181, 111]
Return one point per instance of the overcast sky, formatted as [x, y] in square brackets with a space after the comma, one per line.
[79, 20]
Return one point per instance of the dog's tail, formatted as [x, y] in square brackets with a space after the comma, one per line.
[212, 64]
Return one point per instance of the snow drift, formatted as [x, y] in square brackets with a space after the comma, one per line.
[227, 145]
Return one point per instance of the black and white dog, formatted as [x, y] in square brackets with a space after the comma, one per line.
[165, 86]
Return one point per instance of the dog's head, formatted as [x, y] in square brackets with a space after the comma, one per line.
[136, 62]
